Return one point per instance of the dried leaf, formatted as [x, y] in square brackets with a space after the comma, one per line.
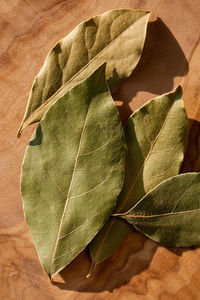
[116, 37]
[155, 137]
[170, 213]
[73, 172]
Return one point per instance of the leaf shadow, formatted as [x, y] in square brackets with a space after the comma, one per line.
[191, 162]
[132, 257]
[162, 60]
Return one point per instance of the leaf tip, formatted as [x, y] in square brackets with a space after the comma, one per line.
[19, 132]
[147, 14]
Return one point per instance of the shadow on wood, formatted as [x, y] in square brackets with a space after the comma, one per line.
[130, 258]
[162, 60]
[191, 161]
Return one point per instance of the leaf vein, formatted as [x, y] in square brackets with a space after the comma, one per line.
[82, 69]
[163, 215]
[93, 189]
[69, 191]
[103, 146]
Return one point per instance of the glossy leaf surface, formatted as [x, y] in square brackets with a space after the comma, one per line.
[73, 171]
[155, 137]
[116, 37]
[170, 213]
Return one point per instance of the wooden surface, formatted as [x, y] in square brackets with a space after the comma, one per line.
[139, 268]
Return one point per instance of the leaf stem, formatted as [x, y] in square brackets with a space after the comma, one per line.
[118, 215]
[91, 269]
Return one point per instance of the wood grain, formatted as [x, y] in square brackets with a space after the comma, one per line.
[139, 268]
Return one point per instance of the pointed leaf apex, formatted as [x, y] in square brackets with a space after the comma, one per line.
[19, 132]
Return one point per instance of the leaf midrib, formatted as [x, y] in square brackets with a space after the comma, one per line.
[68, 195]
[146, 159]
[160, 215]
[134, 182]
[82, 69]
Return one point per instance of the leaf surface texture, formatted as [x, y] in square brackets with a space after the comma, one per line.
[170, 213]
[73, 172]
[155, 137]
[116, 37]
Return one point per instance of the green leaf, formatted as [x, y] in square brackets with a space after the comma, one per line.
[73, 172]
[116, 37]
[170, 213]
[155, 138]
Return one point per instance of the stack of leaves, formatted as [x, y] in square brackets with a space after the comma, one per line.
[86, 180]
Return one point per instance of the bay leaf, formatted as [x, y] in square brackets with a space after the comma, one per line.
[155, 136]
[170, 213]
[116, 37]
[73, 172]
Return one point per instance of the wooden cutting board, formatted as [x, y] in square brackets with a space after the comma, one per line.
[139, 268]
